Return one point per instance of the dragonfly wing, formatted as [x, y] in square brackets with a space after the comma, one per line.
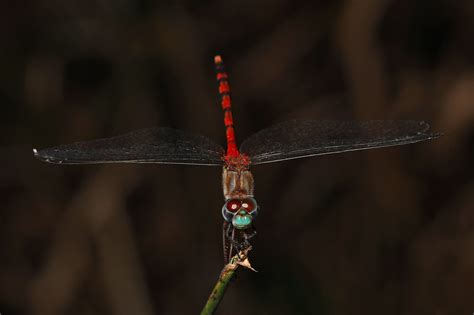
[302, 138]
[152, 145]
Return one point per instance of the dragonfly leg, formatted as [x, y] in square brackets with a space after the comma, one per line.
[232, 244]
[252, 234]
[248, 235]
[227, 237]
[236, 240]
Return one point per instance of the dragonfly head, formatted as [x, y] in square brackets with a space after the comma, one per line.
[241, 212]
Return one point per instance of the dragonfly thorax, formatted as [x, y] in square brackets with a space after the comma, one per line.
[237, 183]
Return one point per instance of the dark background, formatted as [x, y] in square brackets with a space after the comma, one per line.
[386, 231]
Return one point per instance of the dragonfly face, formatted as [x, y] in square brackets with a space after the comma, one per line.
[240, 212]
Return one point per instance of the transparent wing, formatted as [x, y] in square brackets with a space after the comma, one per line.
[153, 145]
[301, 138]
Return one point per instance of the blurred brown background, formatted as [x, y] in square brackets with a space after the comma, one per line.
[387, 231]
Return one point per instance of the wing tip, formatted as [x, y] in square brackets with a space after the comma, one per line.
[430, 135]
[44, 157]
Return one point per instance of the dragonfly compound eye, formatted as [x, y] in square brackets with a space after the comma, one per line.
[233, 205]
[230, 208]
[249, 204]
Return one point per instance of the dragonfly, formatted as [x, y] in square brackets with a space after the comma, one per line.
[284, 141]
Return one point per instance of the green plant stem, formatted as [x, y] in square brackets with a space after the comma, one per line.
[219, 289]
[224, 279]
